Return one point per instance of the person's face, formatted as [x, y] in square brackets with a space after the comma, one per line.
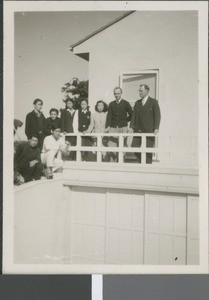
[100, 106]
[38, 106]
[117, 94]
[33, 141]
[142, 92]
[53, 115]
[56, 133]
[69, 105]
[84, 105]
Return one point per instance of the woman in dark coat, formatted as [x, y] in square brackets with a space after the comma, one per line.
[52, 121]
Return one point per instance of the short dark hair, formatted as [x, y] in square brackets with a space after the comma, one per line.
[117, 88]
[55, 110]
[70, 100]
[105, 105]
[33, 135]
[145, 86]
[86, 100]
[54, 127]
[37, 100]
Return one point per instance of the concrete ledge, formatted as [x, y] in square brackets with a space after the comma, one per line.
[132, 177]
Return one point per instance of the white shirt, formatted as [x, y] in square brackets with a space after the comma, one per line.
[71, 111]
[144, 100]
[51, 144]
[118, 101]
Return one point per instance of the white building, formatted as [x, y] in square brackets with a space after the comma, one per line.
[106, 213]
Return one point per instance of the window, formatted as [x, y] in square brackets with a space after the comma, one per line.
[130, 81]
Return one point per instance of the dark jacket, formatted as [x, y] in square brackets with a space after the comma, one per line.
[146, 118]
[24, 154]
[119, 114]
[67, 121]
[83, 120]
[50, 123]
[34, 125]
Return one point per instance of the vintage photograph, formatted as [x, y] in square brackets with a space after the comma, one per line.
[107, 159]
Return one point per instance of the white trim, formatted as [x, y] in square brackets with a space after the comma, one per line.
[97, 287]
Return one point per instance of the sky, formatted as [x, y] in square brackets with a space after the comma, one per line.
[43, 61]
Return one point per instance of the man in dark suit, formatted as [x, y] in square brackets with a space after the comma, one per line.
[35, 122]
[119, 114]
[145, 119]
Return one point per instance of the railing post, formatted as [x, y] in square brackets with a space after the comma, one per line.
[143, 153]
[99, 145]
[120, 146]
[78, 154]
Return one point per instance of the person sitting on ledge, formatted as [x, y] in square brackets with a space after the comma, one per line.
[53, 148]
[27, 160]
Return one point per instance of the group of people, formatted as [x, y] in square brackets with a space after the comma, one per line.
[48, 142]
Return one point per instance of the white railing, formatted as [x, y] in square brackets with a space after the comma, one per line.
[166, 149]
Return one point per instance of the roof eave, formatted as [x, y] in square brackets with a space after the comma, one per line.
[99, 30]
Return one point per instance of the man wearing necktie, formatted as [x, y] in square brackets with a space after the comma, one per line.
[145, 119]
[35, 122]
[119, 114]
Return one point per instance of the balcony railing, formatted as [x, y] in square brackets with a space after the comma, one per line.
[175, 151]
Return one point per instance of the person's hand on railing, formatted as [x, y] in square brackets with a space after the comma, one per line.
[156, 131]
[107, 129]
[130, 130]
[67, 143]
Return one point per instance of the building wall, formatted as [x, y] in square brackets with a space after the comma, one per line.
[67, 221]
[151, 40]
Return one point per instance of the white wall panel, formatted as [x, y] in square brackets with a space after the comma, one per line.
[180, 250]
[166, 214]
[180, 211]
[138, 211]
[99, 242]
[166, 250]
[113, 216]
[125, 249]
[113, 244]
[193, 230]
[152, 212]
[137, 248]
[152, 249]
[78, 239]
[99, 225]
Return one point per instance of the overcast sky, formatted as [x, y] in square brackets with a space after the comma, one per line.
[43, 61]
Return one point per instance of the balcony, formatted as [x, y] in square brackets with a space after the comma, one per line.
[174, 167]
[113, 213]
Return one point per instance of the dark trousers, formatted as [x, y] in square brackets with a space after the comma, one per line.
[30, 173]
[73, 142]
[150, 141]
[88, 142]
[41, 137]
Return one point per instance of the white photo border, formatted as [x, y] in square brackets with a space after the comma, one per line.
[10, 8]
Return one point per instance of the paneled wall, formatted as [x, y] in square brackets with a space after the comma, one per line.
[87, 225]
[114, 226]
